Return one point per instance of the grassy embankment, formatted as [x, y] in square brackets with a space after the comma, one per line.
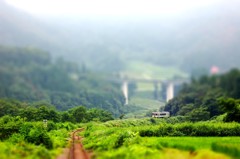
[160, 138]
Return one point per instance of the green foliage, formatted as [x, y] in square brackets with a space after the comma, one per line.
[9, 125]
[66, 125]
[32, 133]
[144, 138]
[162, 128]
[191, 129]
[58, 137]
[199, 114]
[39, 114]
[23, 150]
[133, 152]
[81, 114]
[9, 107]
[22, 139]
[27, 74]
[232, 107]
[16, 138]
[42, 111]
[98, 114]
[199, 100]
[38, 136]
[16, 130]
[231, 149]
[126, 137]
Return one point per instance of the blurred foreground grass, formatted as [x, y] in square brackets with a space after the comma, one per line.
[163, 138]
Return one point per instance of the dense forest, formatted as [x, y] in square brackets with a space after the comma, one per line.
[41, 111]
[30, 75]
[208, 97]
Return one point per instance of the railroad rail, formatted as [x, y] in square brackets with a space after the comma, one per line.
[76, 150]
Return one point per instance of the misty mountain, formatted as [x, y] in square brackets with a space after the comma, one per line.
[19, 28]
[30, 75]
[194, 39]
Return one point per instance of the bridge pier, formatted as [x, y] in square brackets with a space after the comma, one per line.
[125, 91]
[170, 91]
[167, 87]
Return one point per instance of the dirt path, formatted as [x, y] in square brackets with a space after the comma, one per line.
[76, 151]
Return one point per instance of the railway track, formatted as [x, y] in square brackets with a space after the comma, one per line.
[76, 150]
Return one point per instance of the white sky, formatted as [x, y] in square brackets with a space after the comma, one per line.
[109, 7]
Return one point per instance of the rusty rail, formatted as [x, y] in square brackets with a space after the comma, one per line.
[77, 151]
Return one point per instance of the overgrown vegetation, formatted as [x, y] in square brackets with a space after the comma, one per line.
[22, 139]
[154, 138]
[208, 97]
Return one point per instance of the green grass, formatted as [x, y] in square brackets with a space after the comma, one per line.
[147, 104]
[144, 70]
[32, 140]
[139, 107]
[24, 150]
[194, 143]
[125, 139]
[143, 95]
[145, 87]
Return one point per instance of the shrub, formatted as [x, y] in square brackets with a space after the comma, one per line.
[25, 128]
[16, 138]
[9, 125]
[126, 136]
[39, 136]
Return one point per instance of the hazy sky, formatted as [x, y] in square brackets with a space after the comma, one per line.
[110, 7]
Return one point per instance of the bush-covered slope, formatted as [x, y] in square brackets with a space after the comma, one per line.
[28, 74]
[207, 97]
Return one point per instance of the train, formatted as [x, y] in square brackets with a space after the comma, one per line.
[163, 114]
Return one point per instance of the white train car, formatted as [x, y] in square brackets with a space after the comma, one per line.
[160, 114]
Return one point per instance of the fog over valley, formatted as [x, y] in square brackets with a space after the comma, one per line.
[197, 38]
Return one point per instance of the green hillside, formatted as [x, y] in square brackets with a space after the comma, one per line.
[29, 75]
[150, 71]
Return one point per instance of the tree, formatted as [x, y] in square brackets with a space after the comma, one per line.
[232, 108]
[79, 114]
[199, 114]
[201, 96]
[9, 107]
[98, 114]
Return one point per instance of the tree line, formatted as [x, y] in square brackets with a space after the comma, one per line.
[208, 97]
[43, 111]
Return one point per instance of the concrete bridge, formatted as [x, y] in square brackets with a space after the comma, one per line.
[169, 86]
